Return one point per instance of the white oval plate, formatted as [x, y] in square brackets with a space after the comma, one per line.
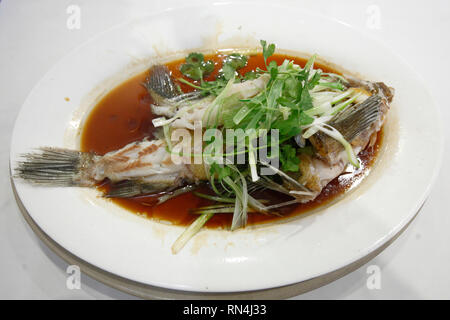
[220, 261]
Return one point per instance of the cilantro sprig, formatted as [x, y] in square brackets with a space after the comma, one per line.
[231, 64]
[196, 67]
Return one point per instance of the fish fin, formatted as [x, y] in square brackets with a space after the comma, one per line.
[160, 84]
[175, 193]
[350, 122]
[56, 167]
[131, 188]
[356, 119]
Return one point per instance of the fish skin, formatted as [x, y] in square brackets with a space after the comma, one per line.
[147, 161]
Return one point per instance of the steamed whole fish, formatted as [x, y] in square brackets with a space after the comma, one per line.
[146, 166]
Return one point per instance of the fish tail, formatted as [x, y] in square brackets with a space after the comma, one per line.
[56, 167]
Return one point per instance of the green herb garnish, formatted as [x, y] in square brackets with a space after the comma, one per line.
[196, 67]
[296, 102]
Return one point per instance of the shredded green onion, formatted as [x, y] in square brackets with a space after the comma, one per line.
[192, 230]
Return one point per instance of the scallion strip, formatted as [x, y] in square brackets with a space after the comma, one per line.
[345, 104]
[213, 198]
[192, 230]
[332, 132]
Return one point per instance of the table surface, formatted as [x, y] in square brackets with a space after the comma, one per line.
[34, 34]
